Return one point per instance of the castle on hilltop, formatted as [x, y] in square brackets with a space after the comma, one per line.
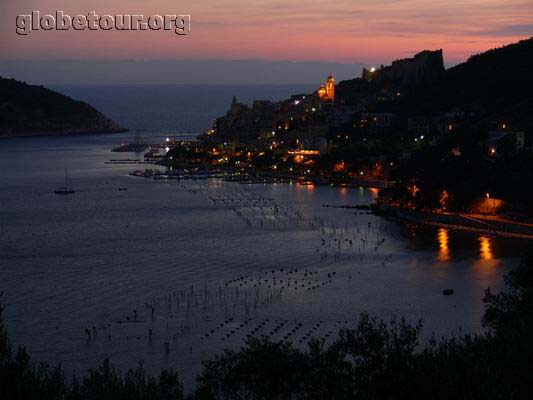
[327, 91]
[425, 66]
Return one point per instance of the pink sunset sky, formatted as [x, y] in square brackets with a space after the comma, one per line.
[343, 31]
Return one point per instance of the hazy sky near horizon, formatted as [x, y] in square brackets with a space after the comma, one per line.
[346, 31]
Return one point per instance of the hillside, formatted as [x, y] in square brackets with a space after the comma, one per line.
[497, 82]
[34, 110]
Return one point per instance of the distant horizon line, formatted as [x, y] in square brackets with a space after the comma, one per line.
[222, 60]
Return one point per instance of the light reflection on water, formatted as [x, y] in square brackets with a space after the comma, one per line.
[452, 245]
[89, 259]
[445, 254]
[444, 250]
[485, 248]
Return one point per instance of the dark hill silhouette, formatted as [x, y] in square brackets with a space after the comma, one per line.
[495, 83]
[34, 110]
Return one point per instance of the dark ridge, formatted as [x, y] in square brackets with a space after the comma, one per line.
[35, 110]
[496, 81]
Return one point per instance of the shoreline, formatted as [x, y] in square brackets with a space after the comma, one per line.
[479, 224]
[457, 221]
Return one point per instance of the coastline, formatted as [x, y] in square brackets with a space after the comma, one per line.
[483, 224]
[458, 221]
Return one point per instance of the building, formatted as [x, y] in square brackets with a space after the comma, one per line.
[327, 91]
[322, 91]
[426, 66]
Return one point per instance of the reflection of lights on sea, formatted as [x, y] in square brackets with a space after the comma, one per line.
[485, 249]
[486, 267]
[444, 250]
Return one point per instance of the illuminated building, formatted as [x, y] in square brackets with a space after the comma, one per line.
[322, 91]
[305, 156]
[327, 91]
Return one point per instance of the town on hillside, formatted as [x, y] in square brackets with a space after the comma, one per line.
[432, 140]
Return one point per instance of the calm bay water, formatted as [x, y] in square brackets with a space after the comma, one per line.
[205, 263]
[188, 109]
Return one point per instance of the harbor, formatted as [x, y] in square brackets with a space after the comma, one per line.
[173, 271]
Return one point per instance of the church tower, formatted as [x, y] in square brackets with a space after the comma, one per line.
[330, 88]
[322, 91]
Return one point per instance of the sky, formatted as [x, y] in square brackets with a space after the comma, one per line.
[334, 34]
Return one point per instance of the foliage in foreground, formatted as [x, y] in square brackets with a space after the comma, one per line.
[376, 360]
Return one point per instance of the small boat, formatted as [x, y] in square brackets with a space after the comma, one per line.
[67, 189]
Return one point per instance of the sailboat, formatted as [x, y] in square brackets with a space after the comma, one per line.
[67, 189]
